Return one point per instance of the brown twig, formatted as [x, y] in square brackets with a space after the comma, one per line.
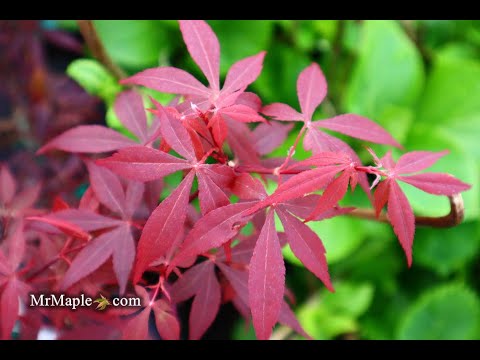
[95, 45]
[412, 33]
[7, 125]
[454, 218]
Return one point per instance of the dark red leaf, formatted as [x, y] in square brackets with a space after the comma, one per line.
[269, 136]
[250, 99]
[243, 73]
[241, 142]
[417, 160]
[133, 197]
[381, 196]
[143, 164]
[88, 139]
[84, 219]
[131, 112]
[107, 188]
[9, 307]
[287, 317]
[175, 134]
[123, 256]
[8, 186]
[307, 246]
[205, 305]
[300, 185]
[213, 230]
[92, 256]
[137, 327]
[334, 192]
[169, 80]
[435, 183]
[358, 127]
[266, 281]
[241, 113]
[16, 245]
[162, 227]
[66, 227]
[190, 283]
[282, 112]
[26, 198]
[203, 46]
[167, 324]
[401, 217]
[246, 187]
[219, 129]
[5, 267]
[311, 89]
[222, 175]
[211, 196]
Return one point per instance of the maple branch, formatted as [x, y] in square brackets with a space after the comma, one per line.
[453, 218]
[95, 45]
[7, 125]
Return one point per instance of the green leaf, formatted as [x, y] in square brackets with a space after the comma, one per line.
[135, 44]
[278, 79]
[449, 312]
[397, 121]
[243, 332]
[94, 78]
[449, 118]
[447, 250]
[328, 315]
[389, 71]
[451, 92]
[70, 25]
[341, 236]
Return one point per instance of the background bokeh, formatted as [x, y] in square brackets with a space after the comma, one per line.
[418, 79]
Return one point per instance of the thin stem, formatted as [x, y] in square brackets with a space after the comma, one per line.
[265, 171]
[43, 268]
[292, 149]
[454, 218]
[95, 45]
[157, 288]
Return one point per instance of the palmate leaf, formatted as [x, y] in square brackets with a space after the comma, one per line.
[400, 212]
[118, 243]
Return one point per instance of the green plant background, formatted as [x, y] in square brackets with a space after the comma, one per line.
[421, 81]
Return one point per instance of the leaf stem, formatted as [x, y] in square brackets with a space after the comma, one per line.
[453, 218]
[292, 149]
[95, 45]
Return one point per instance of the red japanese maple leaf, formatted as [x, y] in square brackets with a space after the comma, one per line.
[98, 139]
[400, 213]
[116, 240]
[219, 104]
[165, 319]
[311, 91]
[12, 288]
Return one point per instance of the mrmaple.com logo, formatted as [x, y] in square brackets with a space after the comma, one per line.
[73, 302]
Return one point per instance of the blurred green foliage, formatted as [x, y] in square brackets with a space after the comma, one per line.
[421, 81]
